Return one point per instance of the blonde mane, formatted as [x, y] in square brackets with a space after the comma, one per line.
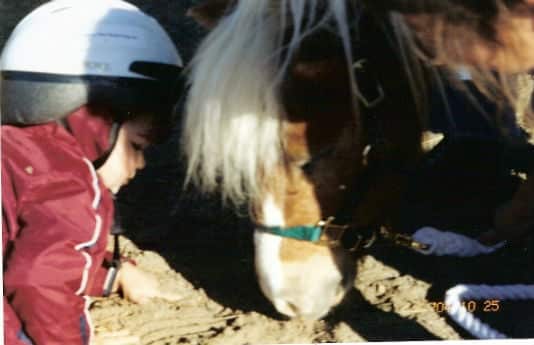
[234, 116]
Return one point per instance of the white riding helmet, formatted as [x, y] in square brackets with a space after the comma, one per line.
[68, 53]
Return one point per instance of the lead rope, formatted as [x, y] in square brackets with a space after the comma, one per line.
[454, 297]
[442, 243]
[448, 243]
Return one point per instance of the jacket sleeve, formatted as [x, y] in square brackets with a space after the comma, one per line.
[49, 268]
[13, 332]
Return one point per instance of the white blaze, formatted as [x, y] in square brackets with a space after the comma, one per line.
[267, 250]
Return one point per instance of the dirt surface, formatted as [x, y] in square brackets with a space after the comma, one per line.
[203, 251]
[201, 318]
[222, 305]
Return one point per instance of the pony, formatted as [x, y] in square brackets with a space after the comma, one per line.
[303, 111]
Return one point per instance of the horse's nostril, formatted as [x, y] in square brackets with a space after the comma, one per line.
[294, 309]
[302, 311]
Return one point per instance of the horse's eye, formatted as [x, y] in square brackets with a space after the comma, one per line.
[307, 167]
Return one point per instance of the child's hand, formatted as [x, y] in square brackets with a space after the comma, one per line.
[140, 286]
[115, 338]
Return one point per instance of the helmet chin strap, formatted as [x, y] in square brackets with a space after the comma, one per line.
[64, 123]
[113, 135]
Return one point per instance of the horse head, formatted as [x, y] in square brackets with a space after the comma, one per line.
[274, 119]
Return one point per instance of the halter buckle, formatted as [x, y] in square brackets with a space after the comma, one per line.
[402, 240]
[368, 103]
[332, 233]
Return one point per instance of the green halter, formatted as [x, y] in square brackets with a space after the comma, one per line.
[304, 233]
[324, 232]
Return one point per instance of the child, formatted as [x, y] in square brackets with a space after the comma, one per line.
[84, 88]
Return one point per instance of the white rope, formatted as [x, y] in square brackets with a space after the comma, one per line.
[456, 295]
[448, 243]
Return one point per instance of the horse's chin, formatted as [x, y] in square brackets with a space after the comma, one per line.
[306, 313]
[308, 306]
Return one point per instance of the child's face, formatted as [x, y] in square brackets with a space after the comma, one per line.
[126, 157]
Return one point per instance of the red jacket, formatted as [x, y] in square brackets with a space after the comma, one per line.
[56, 216]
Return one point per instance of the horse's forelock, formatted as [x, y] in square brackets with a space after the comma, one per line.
[234, 113]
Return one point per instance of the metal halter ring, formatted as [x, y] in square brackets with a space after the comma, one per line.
[359, 65]
[332, 232]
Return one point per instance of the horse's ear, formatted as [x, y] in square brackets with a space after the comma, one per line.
[209, 12]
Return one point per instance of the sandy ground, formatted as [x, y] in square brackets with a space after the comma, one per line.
[221, 303]
[200, 319]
